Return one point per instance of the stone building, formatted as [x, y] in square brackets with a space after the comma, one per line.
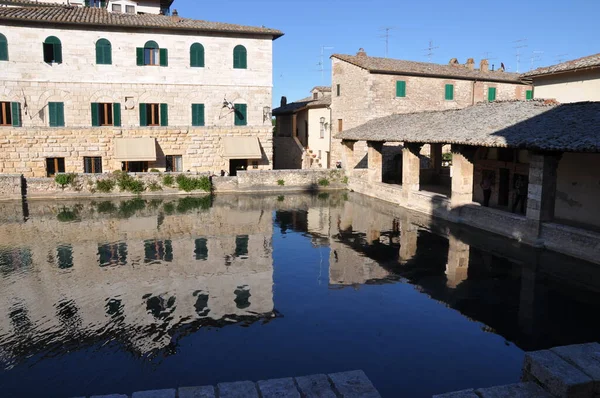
[571, 81]
[303, 133]
[88, 89]
[366, 88]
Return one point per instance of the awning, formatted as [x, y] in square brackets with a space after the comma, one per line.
[241, 148]
[135, 149]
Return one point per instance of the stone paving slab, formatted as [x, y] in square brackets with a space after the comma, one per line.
[170, 393]
[197, 392]
[354, 384]
[237, 389]
[315, 386]
[470, 393]
[585, 357]
[278, 388]
[519, 390]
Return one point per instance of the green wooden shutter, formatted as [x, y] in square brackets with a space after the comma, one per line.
[143, 121]
[164, 57]
[3, 48]
[99, 54]
[400, 88]
[491, 94]
[529, 94]
[87, 3]
[240, 115]
[107, 54]
[16, 114]
[60, 114]
[103, 3]
[197, 114]
[117, 114]
[164, 115]
[52, 114]
[140, 56]
[449, 95]
[58, 53]
[95, 116]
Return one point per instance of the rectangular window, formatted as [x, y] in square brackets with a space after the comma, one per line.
[315, 96]
[134, 167]
[241, 118]
[449, 93]
[529, 95]
[337, 90]
[130, 9]
[102, 114]
[197, 114]
[52, 53]
[92, 165]
[5, 114]
[174, 163]
[150, 114]
[56, 114]
[340, 125]
[54, 165]
[400, 88]
[491, 94]
[322, 131]
[116, 8]
[151, 56]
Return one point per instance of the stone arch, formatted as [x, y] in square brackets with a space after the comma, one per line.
[7, 94]
[40, 104]
[103, 96]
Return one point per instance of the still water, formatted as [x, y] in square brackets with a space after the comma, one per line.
[100, 297]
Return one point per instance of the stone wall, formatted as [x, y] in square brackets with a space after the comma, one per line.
[10, 186]
[287, 154]
[293, 180]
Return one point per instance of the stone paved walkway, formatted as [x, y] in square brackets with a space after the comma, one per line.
[352, 384]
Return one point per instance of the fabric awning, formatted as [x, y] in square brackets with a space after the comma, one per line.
[135, 149]
[241, 148]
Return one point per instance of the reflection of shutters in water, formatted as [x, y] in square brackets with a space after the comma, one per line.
[112, 254]
[157, 250]
[201, 303]
[242, 297]
[241, 245]
[65, 256]
[201, 251]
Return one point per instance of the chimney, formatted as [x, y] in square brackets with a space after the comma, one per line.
[453, 62]
[283, 100]
[484, 66]
[175, 16]
[361, 52]
[470, 65]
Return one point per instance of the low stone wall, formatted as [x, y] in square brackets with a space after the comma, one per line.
[282, 181]
[572, 241]
[10, 186]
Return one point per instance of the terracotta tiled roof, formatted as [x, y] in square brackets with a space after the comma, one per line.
[304, 103]
[537, 124]
[402, 67]
[70, 15]
[29, 3]
[591, 61]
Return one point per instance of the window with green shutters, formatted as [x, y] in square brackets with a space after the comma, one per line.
[338, 89]
[529, 95]
[151, 54]
[10, 114]
[240, 114]
[197, 114]
[154, 115]
[240, 57]
[197, 55]
[491, 94]
[52, 50]
[449, 92]
[56, 114]
[106, 114]
[3, 48]
[103, 52]
[400, 88]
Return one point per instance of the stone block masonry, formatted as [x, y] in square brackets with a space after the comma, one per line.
[354, 384]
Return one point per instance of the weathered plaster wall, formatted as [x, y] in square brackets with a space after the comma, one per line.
[315, 142]
[569, 87]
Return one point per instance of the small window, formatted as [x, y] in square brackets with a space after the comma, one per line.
[241, 117]
[197, 55]
[400, 88]
[240, 60]
[154, 115]
[174, 163]
[491, 94]
[116, 8]
[529, 95]
[10, 114]
[152, 55]
[52, 50]
[197, 114]
[135, 167]
[56, 114]
[449, 92]
[92, 165]
[103, 52]
[106, 114]
[3, 48]
[340, 125]
[54, 165]
[130, 9]
[315, 96]
[95, 3]
[338, 90]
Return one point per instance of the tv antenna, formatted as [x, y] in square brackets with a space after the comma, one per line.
[561, 57]
[321, 64]
[386, 35]
[430, 50]
[519, 44]
[535, 56]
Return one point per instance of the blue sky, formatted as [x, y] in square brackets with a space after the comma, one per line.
[461, 29]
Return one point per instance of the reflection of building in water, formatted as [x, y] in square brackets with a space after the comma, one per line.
[131, 280]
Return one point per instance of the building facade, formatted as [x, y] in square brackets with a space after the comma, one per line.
[131, 92]
[366, 88]
[303, 132]
[571, 81]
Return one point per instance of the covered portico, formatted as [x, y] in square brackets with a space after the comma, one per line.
[535, 158]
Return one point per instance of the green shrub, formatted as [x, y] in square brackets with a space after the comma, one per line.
[168, 180]
[190, 203]
[280, 198]
[447, 157]
[105, 185]
[155, 203]
[154, 171]
[65, 179]
[323, 196]
[128, 183]
[189, 184]
[280, 182]
[323, 182]
[128, 208]
[154, 186]
[345, 180]
[66, 215]
[169, 208]
[106, 207]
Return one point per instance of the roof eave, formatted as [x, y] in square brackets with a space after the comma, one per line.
[586, 68]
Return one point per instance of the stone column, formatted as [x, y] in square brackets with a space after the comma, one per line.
[462, 175]
[411, 169]
[457, 267]
[375, 161]
[348, 156]
[408, 241]
[541, 194]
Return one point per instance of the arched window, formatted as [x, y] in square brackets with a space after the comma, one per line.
[151, 54]
[103, 52]
[197, 55]
[3, 48]
[52, 50]
[240, 57]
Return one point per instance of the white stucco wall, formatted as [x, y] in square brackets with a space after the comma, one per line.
[569, 87]
[315, 142]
